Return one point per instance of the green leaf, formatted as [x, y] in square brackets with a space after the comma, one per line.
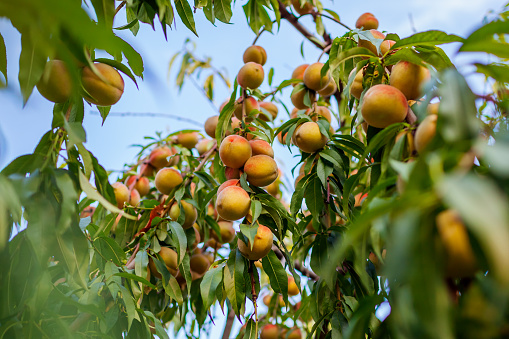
[256, 210]
[499, 72]
[209, 284]
[31, 65]
[92, 193]
[186, 14]
[223, 10]
[314, 198]
[431, 37]
[179, 239]
[277, 275]
[105, 11]
[130, 306]
[234, 283]
[109, 249]
[136, 278]
[251, 331]
[120, 66]
[3, 61]
[336, 60]
[482, 40]
[174, 291]
[250, 232]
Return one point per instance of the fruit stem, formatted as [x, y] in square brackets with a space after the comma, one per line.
[253, 289]
[258, 35]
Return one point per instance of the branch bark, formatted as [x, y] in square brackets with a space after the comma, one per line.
[229, 324]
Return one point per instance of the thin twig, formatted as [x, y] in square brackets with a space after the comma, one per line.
[298, 265]
[334, 19]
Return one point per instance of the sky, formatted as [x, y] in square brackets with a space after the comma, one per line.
[22, 127]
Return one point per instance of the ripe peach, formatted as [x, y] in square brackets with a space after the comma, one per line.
[386, 46]
[197, 237]
[425, 132]
[261, 170]
[368, 44]
[261, 246]
[356, 87]
[384, 105]
[210, 126]
[227, 232]
[159, 157]
[190, 213]
[121, 194]
[313, 79]
[298, 73]
[167, 179]
[302, 9]
[251, 104]
[293, 289]
[234, 151]
[261, 147]
[232, 173]
[329, 90]
[199, 264]
[146, 169]
[212, 243]
[169, 257]
[461, 261]
[308, 138]
[55, 83]
[204, 145]
[105, 90]
[298, 97]
[409, 79]
[250, 75]
[296, 111]
[233, 203]
[255, 54]
[323, 112]
[142, 185]
[188, 140]
[269, 111]
[367, 21]
[134, 197]
[292, 333]
[273, 189]
[281, 139]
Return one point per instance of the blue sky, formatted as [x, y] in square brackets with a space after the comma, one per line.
[21, 128]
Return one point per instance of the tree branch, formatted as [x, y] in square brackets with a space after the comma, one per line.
[229, 324]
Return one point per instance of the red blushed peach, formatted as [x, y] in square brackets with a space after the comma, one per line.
[233, 203]
[159, 157]
[384, 105]
[232, 173]
[268, 107]
[261, 246]
[227, 183]
[255, 54]
[248, 105]
[105, 91]
[367, 21]
[261, 170]
[409, 78]
[298, 73]
[425, 132]
[367, 44]
[308, 138]
[121, 194]
[167, 179]
[141, 184]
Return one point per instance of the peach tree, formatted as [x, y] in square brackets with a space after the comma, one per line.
[400, 197]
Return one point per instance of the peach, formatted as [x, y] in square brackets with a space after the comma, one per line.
[197, 237]
[356, 87]
[308, 138]
[368, 44]
[298, 96]
[261, 246]
[269, 111]
[121, 194]
[87, 212]
[293, 289]
[386, 46]
[233, 203]
[199, 264]
[232, 173]
[273, 189]
[227, 232]
[270, 331]
[384, 105]
[250, 104]
[146, 169]
[134, 198]
[461, 261]
[159, 157]
[227, 183]
[323, 112]
[255, 54]
[234, 151]
[292, 333]
[328, 90]
[425, 132]
[105, 90]
[204, 145]
[295, 111]
[367, 21]
[409, 78]
[141, 184]
[170, 258]
[261, 147]
[189, 210]
[313, 79]
[302, 8]
[167, 179]
[56, 83]
[250, 75]
[210, 126]
[298, 73]
[261, 170]
[188, 140]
